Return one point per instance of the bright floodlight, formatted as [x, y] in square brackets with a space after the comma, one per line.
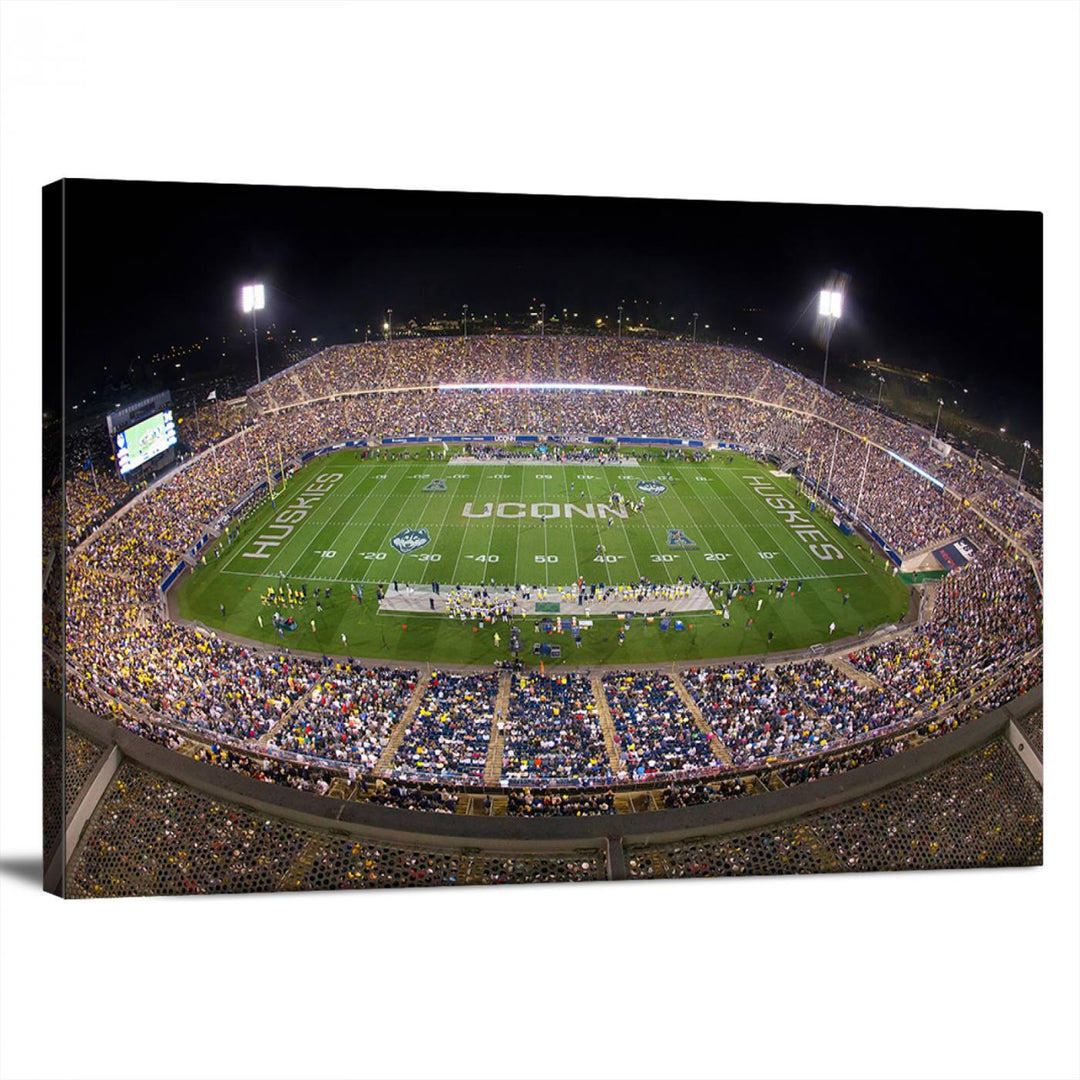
[830, 304]
[253, 298]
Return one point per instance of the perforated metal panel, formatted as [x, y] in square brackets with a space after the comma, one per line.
[1032, 727]
[151, 836]
[981, 810]
[80, 757]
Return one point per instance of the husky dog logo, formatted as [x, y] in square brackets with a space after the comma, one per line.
[677, 538]
[409, 540]
[436, 485]
[651, 487]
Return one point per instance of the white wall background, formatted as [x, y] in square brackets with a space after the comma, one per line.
[958, 974]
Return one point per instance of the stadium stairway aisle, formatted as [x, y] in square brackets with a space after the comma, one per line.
[687, 699]
[288, 715]
[606, 726]
[494, 764]
[863, 678]
[390, 749]
[302, 864]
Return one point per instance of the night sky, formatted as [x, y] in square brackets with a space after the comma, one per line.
[957, 293]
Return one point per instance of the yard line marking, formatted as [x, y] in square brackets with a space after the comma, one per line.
[352, 517]
[652, 537]
[390, 528]
[759, 523]
[491, 533]
[296, 534]
[464, 537]
[626, 538]
[723, 531]
[442, 525]
[420, 517]
[786, 533]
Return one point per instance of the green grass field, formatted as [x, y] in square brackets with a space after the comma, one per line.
[416, 520]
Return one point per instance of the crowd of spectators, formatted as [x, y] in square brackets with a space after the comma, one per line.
[655, 731]
[449, 734]
[349, 714]
[759, 714]
[552, 730]
[527, 803]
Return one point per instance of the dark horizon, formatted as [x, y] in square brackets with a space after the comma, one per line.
[956, 293]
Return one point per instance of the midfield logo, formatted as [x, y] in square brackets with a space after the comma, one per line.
[409, 540]
[651, 487]
[436, 485]
[677, 538]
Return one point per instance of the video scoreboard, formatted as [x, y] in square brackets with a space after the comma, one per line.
[142, 432]
[139, 444]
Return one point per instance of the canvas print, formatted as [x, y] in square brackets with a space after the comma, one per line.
[406, 538]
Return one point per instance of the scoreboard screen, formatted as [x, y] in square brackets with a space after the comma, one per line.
[145, 440]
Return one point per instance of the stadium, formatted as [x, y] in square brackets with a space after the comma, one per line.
[516, 608]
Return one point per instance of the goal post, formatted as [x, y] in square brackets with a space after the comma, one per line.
[275, 493]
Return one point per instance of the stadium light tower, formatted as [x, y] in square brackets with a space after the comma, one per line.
[1020, 478]
[543, 308]
[695, 328]
[465, 321]
[829, 304]
[620, 321]
[389, 324]
[938, 420]
[253, 299]
[881, 386]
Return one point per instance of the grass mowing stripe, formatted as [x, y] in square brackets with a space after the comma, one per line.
[517, 537]
[491, 532]
[570, 522]
[596, 521]
[638, 575]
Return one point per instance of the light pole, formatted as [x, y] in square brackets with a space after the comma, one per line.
[829, 305]
[881, 386]
[465, 321]
[620, 322]
[543, 308]
[389, 324]
[1020, 478]
[695, 328]
[938, 420]
[253, 299]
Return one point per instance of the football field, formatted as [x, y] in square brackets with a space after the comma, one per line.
[347, 521]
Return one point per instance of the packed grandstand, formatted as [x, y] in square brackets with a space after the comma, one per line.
[568, 742]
